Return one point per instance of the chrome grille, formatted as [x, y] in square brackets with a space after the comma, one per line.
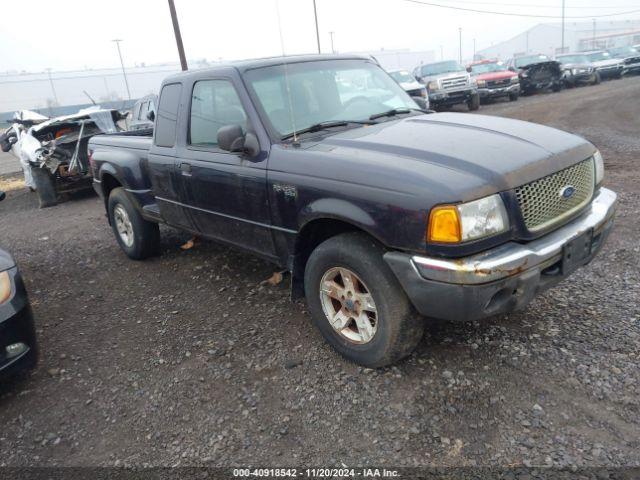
[542, 202]
[453, 83]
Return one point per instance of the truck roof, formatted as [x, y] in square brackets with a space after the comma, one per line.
[244, 65]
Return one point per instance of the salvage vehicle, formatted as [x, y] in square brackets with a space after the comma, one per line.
[537, 73]
[606, 65]
[53, 152]
[18, 350]
[577, 69]
[383, 214]
[495, 80]
[629, 55]
[143, 113]
[448, 84]
[411, 85]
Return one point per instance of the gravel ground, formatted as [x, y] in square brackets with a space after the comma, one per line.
[189, 359]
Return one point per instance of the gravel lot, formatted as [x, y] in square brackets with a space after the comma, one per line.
[188, 359]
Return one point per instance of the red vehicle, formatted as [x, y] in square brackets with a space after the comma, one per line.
[495, 80]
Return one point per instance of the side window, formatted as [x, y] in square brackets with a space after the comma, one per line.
[143, 111]
[136, 112]
[214, 104]
[166, 124]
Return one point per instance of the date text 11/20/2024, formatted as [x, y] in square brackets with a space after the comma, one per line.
[316, 472]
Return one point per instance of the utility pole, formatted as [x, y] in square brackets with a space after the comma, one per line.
[124, 73]
[441, 53]
[527, 44]
[176, 31]
[593, 40]
[315, 14]
[474, 49]
[460, 52]
[53, 89]
[333, 50]
[562, 44]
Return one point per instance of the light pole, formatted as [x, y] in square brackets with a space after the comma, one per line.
[126, 82]
[460, 52]
[176, 31]
[315, 14]
[333, 50]
[53, 89]
[562, 44]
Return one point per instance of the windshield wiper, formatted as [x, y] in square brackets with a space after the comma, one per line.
[394, 111]
[316, 127]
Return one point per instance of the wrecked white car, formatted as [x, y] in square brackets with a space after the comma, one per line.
[53, 152]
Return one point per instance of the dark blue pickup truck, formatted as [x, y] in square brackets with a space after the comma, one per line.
[383, 213]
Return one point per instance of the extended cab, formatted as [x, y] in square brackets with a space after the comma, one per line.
[383, 214]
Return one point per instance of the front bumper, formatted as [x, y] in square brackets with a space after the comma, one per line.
[631, 68]
[578, 78]
[17, 327]
[445, 97]
[610, 71]
[495, 92]
[507, 277]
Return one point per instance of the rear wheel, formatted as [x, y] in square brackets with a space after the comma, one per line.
[474, 102]
[45, 187]
[357, 303]
[137, 237]
[596, 79]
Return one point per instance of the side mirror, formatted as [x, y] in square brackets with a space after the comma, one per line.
[512, 68]
[151, 115]
[421, 103]
[232, 139]
[2, 195]
[469, 69]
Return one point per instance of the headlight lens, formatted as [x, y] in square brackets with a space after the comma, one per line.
[432, 85]
[481, 83]
[599, 164]
[468, 221]
[515, 79]
[5, 287]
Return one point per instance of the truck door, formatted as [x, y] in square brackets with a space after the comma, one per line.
[165, 180]
[225, 193]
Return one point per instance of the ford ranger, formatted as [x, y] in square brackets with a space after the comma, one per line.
[384, 214]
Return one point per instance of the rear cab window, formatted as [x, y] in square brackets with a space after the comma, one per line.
[167, 115]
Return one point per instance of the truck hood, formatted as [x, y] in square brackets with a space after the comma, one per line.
[607, 63]
[442, 76]
[496, 75]
[415, 85]
[454, 156]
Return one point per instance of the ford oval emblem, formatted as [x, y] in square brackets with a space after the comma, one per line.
[567, 191]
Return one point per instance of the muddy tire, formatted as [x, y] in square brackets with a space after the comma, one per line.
[137, 237]
[45, 187]
[596, 79]
[513, 97]
[474, 103]
[372, 321]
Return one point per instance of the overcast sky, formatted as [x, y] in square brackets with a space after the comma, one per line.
[73, 34]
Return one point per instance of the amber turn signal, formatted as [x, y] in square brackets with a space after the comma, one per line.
[444, 225]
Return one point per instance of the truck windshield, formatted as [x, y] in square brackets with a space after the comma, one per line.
[530, 59]
[623, 52]
[402, 76]
[597, 56]
[296, 96]
[488, 67]
[573, 59]
[441, 67]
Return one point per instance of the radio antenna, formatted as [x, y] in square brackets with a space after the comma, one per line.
[286, 75]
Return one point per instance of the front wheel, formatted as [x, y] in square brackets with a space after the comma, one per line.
[513, 97]
[137, 237]
[474, 102]
[596, 79]
[357, 303]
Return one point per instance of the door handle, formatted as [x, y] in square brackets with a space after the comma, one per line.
[185, 168]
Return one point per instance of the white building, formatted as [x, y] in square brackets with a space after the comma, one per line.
[578, 36]
[403, 59]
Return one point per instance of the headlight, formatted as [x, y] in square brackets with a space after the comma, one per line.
[515, 79]
[432, 86]
[481, 83]
[599, 163]
[5, 287]
[468, 221]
